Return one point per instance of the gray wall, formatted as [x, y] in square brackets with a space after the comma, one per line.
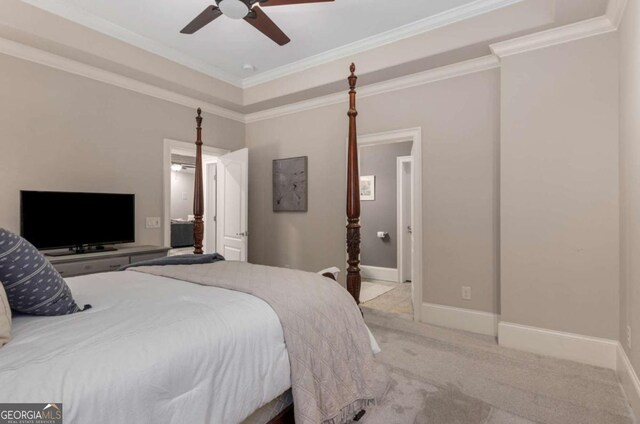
[559, 187]
[182, 183]
[460, 121]
[381, 214]
[59, 131]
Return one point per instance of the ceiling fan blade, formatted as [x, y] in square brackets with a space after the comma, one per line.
[265, 25]
[208, 15]
[288, 2]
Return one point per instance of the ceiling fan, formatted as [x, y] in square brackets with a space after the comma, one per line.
[243, 9]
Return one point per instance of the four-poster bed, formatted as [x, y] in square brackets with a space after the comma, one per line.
[354, 279]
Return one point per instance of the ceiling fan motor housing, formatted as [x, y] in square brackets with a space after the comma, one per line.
[234, 9]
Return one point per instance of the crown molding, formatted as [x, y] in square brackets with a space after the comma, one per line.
[591, 27]
[31, 54]
[467, 11]
[555, 36]
[584, 29]
[409, 81]
[615, 11]
[84, 18]
[96, 23]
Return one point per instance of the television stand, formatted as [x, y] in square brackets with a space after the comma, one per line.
[73, 264]
[81, 250]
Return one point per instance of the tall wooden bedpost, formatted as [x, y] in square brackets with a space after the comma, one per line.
[198, 197]
[353, 196]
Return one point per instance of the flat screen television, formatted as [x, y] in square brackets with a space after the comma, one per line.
[78, 221]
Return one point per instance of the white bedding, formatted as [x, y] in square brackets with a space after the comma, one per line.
[151, 350]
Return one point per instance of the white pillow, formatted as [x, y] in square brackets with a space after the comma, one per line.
[5, 318]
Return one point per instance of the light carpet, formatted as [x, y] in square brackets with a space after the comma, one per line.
[432, 375]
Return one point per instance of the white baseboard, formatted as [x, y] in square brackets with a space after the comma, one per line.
[558, 344]
[460, 319]
[629, 380]
[379, 273]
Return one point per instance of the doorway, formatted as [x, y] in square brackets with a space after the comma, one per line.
[391, 218]
[179, 174]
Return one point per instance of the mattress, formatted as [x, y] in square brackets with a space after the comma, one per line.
[151, 349]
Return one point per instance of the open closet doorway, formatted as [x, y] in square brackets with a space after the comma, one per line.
[391, 215]
[179, 177]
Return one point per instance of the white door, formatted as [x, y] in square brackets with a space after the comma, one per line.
[233, 187]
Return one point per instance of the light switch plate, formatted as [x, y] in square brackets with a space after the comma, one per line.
[153, 222]
[466, 293]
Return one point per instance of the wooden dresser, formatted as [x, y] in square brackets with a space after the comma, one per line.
[92, 263]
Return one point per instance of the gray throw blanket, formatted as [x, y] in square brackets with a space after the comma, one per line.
[326, 337]
[177, 260]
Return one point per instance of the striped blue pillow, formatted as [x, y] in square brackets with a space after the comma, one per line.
[32, 284]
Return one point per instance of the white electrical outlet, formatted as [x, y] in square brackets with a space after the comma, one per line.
[629, 336]
[466, 292]
[153, 222]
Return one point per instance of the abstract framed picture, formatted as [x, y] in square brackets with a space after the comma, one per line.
[368, 187]
[290, 184]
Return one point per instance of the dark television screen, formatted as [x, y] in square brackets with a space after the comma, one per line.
[59, 219]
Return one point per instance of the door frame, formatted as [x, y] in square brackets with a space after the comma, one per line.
[184, 148]
[211, 204]
[401, 224]
[415, 136]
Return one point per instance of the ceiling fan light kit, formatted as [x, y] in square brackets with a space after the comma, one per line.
[234, 9]
[244, 9]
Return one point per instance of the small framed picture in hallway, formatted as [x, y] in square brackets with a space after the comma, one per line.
[368, 187]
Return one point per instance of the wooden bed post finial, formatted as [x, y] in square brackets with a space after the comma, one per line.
[354, 279]
[198, 191]
[352, 78]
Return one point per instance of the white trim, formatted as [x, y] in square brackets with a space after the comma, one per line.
[51, 60]
[379, 273]
[460, 319]
[187, 149]
[96, 23]
[401, 83]
[415, 136]
[629, 379]
[574, 347]
[552, 37]
[591, 27]
[449, 17]
[401, 234]
[615, 11]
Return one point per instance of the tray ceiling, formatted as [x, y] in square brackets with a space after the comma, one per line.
[226, 45]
